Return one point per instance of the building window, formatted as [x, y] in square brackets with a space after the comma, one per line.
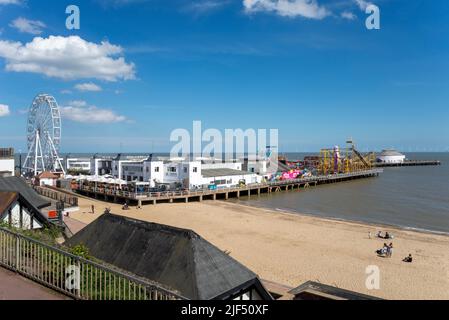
[195, 169]
[148, 169]
[185, 170]
[156, 169]
[172, 169]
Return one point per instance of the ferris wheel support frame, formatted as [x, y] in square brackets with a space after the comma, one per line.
[38, 155]
[44, 134]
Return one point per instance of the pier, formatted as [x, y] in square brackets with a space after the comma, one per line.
[411, 163]
[221, 194]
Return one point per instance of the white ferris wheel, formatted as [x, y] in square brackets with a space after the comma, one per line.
[43, 135]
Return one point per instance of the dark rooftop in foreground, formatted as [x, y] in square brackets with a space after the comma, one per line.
[317, 291]
[179, 259]
[19, 185]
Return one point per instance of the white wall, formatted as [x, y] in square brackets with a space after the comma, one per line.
[391, 159]
[154, 172]
[259, 167]
[47, 182]
[78, 164]
[26, 218]
[225, 165]
[7, 165]
[231, 181]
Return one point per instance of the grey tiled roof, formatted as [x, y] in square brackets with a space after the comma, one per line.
[17, 184]
[179, 259]
[210, 173]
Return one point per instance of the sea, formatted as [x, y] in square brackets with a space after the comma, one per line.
[415, 198]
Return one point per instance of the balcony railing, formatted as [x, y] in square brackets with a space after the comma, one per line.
[74, 276]
[201, 192]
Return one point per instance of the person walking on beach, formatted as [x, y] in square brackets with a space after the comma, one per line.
[93, 209]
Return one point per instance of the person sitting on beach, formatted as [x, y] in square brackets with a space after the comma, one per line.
[390, 250]
[383, 251]
[408, 259]
[379, 234]
[387, 235]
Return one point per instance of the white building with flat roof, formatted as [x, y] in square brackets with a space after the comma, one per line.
[82, 165]
[7, 163]
[176, 173]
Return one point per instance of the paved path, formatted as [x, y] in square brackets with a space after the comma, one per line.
[16, 287]
[74, 225]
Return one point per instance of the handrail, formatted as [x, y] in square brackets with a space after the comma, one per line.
[171, 194]
[72, 275]
[56, 195]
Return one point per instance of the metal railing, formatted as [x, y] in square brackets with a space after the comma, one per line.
[172, 194]
[74, 276]
[56, 195]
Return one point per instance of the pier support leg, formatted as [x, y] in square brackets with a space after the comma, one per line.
[214, 196]
[227, 195]
[115, 199]
[105, 197]
[187, 200]
[139, 203]
[201, 198]
[154, 202]
[258, 192]
[238, 194]
[171, 200]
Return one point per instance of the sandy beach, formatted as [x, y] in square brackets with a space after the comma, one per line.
[291, 249]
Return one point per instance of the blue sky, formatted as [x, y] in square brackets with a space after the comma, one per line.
[137, 69]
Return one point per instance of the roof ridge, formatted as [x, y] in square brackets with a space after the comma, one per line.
[154, 226]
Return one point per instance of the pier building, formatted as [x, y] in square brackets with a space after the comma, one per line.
[390, 156]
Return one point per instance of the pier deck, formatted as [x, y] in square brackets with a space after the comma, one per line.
[224, 194]
[411, 163]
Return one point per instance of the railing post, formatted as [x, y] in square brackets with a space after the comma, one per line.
[17, 258]
[79, 273]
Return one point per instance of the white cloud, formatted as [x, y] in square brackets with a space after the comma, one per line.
[66, 91]
[77, 103]
[4, 110]
[67, 58]
[10, 2]
[88, 87]
[363, 4]
[119, 3]
[28, 26]
[204, 6]
[288, 8]
[348, 15]
[80, 111]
